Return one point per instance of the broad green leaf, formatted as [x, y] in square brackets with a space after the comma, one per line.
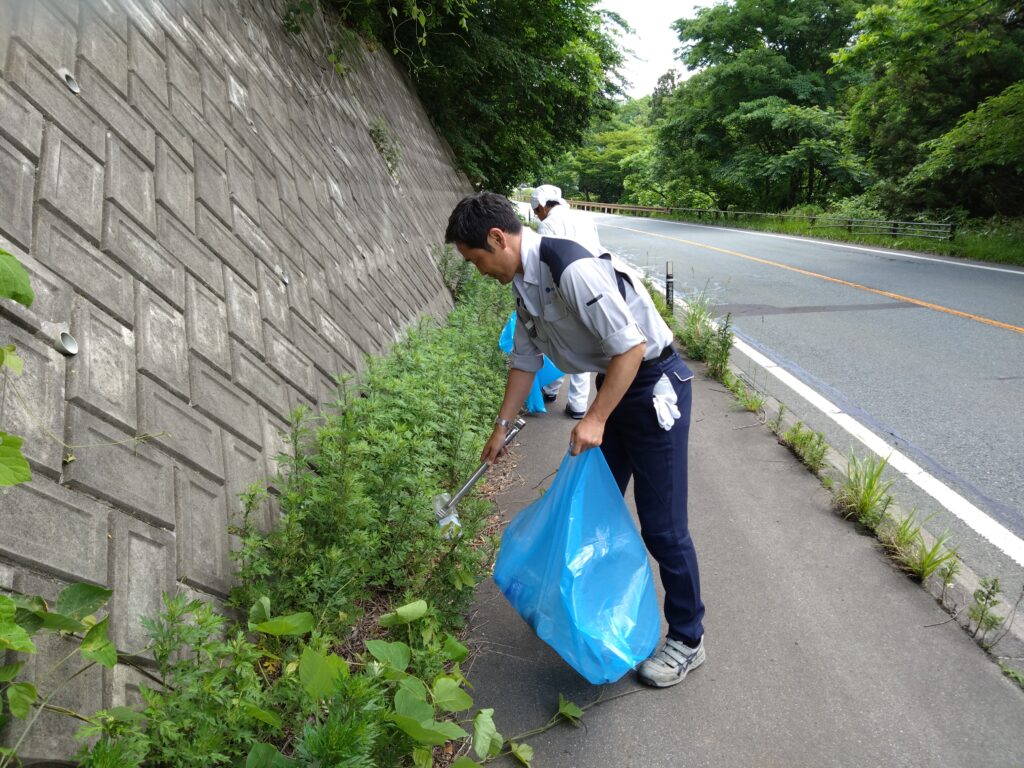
[7, 609]
[14, 468]
[260, 612]
[14, 280]
[394, 655]
[9, 671]
[58, 622]
[21, 696]
[10, 360]
[486, 739]
[422, 757]
[264, 716]
[455, 650]
[265, 756]
[293, 624]
[406, 614]
[523, 753]
[449, 696]
[32, 603]
[14, 638]
[466, 762]
[338, 665]
[81, 600]
[427, 732]
[30, 621]
[568, 710]
[316, 674]
[96, 646]
[411, 700]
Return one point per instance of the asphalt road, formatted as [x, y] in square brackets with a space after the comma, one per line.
[926, 352]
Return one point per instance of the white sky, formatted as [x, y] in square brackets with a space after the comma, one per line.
[653, 40]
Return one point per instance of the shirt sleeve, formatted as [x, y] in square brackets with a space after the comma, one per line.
[525, 355]
[589, 287]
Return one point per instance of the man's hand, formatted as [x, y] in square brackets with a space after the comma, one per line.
[588, 433]
[495, 447]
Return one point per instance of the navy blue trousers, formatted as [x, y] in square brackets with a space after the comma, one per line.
[635, 446]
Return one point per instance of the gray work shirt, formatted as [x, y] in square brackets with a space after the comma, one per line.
[583, 321]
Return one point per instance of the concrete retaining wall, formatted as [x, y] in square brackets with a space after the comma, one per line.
[210, 219]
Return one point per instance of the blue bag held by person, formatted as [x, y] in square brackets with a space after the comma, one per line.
[574, 567]
[547, 373]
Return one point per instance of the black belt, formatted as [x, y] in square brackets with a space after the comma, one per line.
[666, 353]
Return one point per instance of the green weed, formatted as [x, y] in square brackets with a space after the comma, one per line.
[746, 398]
[809, 446]
[982, 611]
[923, 560]
[864, 495]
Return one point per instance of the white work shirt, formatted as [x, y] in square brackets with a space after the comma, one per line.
[584, 321]
[564, 222]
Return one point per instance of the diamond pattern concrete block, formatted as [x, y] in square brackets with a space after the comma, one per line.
[285, 358]
[175, 184]
[180, 429]
[158, 115]
[35, 404]
[102, 48]
[51, 96]
[266, 189]
[51, 527]
[161, 345]
[122, 688]
[147, 63]
[309, 341]
[16, 193]
[51, 310]
[213, 396]
[222, 242]
[275, 430]
[212, 185]
[52, 733]
[50, 36]
[215, 85]
[133, 476]
[273, 298]
[22, 123]
[71, 182]
[139, 16]
[116, 112]
[206, 323]
[101, 376]
[242, 185]
[129, 184]
[192, 120]
[254, 377]
[202, 535]
[244, 312]
[244, 466]
[194, 255]
[252, 236]
[338, 339]
[289, 192]
[126, 242]
[143, 569]
[184, 75]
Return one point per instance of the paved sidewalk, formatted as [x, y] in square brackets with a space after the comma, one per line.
[820, 653]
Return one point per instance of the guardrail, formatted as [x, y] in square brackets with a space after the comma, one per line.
[883, 227]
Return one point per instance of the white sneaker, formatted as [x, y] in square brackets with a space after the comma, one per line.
[671, 664]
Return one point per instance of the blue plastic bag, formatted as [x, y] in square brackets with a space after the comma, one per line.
[574, 567]
[547, 373]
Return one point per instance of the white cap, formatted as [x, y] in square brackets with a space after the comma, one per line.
[544, 194]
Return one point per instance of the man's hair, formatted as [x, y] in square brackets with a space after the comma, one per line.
[476, 215]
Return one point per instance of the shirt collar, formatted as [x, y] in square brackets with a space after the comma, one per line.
[527, 284]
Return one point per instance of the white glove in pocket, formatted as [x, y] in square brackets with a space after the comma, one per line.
[665, 400]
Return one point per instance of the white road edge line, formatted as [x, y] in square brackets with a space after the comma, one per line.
[1005, 540]
[950, 261]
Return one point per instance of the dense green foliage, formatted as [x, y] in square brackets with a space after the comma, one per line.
[891, 109]
[508, 83]
[346, 655]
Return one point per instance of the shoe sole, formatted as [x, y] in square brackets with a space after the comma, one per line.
[668, 684]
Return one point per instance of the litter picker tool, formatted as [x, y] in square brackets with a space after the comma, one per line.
[444, 503]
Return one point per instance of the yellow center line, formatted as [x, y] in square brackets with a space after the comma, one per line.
[847, 283]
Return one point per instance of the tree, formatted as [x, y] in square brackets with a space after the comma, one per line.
[923, 64]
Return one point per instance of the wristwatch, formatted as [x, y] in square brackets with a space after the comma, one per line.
[500, 422]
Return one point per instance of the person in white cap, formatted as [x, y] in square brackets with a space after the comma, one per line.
[557, 219]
